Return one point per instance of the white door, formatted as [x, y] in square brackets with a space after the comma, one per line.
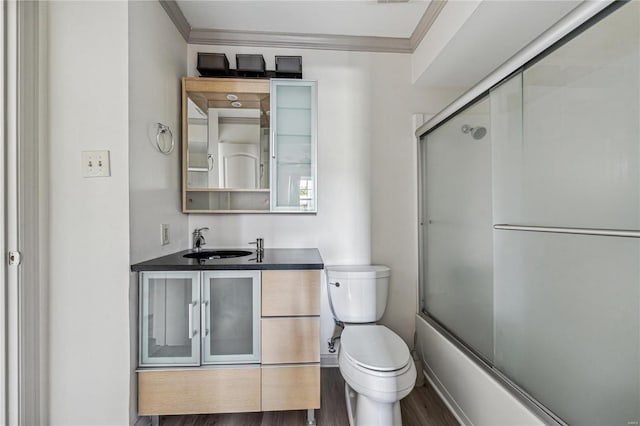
[8, 215]
[240, 165]
[22, 324]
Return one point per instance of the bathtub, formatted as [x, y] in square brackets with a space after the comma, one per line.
[466, 384]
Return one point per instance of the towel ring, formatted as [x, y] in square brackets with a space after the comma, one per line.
[162, 129]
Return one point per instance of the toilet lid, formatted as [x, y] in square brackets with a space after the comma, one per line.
[374, 347]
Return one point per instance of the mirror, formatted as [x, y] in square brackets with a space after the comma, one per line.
[226, 129]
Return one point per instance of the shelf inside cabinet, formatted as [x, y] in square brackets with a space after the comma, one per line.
[294, 163]
[294, 108]
[229, 200]
[299, 135]
[226, 190]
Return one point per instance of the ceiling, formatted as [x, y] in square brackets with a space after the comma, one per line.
[492, 34]
[468, 47]
[335, 17]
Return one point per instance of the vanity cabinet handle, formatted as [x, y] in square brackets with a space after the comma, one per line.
[273, 143]
[337, 284]
[203, 319]
[191, 320]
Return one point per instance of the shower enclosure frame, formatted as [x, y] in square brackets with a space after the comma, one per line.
[574, 23]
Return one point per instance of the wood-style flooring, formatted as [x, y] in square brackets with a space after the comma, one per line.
[423, 407]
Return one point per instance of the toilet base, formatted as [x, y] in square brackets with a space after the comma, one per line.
[364, 411]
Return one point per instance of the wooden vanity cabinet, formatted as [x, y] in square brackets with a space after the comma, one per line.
[288, 376]
[290, 353]
[199, 391]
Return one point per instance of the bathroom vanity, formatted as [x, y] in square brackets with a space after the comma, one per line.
[231, 334]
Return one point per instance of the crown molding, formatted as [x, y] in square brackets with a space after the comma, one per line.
[177, 17]
[304, 40]
[426, 22]
[300, 41]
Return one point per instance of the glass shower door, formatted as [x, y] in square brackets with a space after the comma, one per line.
[231, 317]
[566, 161]
[457, 228]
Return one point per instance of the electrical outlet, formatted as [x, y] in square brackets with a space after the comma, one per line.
[165, 234]
[96, 164]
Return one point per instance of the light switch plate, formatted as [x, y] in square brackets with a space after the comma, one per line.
[165, 234]
[96, 164]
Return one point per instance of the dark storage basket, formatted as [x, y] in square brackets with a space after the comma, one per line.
[213, 64]
[289, 66]
[250, 65]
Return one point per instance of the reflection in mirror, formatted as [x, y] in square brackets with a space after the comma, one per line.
[227, 140]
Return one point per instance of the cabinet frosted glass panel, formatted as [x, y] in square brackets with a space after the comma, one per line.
[567, 315]
[458, 234]
[169, 313]
[575, 163]
[231, 302]
[293, 158]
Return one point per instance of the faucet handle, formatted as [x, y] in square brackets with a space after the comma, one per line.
[198, 238]
[259, 242]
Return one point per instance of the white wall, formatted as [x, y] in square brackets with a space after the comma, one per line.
[452, 17]
[366, 173]
[89, 218]
[157, 61]
[393, 180]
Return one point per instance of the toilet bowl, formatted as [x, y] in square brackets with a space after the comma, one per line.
[378, 372]
[374, 361]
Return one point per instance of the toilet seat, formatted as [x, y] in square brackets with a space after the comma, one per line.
[375, 348]
[353, 365]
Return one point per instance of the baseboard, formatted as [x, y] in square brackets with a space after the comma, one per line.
[328, 360]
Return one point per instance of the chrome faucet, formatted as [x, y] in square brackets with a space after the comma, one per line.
[259, 242]
[198, 238]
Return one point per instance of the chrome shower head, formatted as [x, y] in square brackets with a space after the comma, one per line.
[476, 132]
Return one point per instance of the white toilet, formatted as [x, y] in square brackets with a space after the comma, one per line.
[374, 361]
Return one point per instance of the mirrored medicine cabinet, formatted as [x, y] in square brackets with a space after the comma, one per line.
[248, 145]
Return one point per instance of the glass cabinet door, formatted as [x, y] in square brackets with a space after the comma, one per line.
[293, 150]
[231, 317]
[169, 309]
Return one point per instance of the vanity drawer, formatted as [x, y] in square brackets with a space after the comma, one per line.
[198, 391]
[291, 387]
[290, 340]
[290, 293]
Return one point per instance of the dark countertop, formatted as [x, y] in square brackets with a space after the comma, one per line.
[302, 258]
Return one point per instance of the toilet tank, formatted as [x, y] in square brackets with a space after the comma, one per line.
[358, 293]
